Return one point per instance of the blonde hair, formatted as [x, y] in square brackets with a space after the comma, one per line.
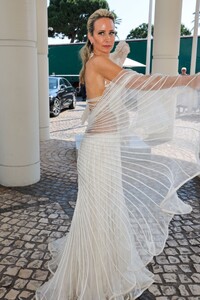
[87, 50]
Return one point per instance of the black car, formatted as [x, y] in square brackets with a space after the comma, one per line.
[61, 95]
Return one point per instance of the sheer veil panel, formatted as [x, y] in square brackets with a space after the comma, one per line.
[141, 144]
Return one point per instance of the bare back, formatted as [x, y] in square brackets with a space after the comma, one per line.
[95, 82]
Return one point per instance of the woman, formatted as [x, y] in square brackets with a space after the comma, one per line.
[134, 156]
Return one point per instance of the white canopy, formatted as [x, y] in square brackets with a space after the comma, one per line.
[132, 63]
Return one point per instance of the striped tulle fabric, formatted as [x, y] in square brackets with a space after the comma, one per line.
[140, 145]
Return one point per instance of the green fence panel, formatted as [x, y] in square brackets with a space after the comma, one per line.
[65, 59]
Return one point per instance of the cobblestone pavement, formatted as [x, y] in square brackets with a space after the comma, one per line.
[30, 217]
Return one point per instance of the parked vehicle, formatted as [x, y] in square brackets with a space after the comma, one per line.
[61, 95]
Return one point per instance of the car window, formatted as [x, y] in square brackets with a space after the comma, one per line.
[62, 81]
[67, 83]
[53, 83]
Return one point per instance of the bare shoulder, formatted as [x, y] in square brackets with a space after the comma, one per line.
[97, 61]
[104, 67]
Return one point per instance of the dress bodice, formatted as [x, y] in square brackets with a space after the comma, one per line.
[93, 102]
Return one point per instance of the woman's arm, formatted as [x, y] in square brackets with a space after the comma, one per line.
[156, 81]
[106, 68]
[109, 70]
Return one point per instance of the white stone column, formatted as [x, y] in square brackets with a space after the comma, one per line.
[19, 120]
[43, 85]
[166, 44]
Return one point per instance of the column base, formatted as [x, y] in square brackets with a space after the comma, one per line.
[11, 176]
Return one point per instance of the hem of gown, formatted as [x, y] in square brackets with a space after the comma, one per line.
[129, 291]
[186, 180]
[126, 294]
[175, 190]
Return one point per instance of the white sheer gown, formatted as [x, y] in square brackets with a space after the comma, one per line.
[138, 149]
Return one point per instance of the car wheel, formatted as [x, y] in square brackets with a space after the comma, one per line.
[56, 108]
[73, 104]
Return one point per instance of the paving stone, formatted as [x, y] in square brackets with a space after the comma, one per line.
[171, 251]
[195, 249]
[188, 228]
[178, 298]
[171, 268]
[40, 275]
[12, 271]
[157, 269]
[29, 245]
[196, 278]
[38, 239]
[168, 290]
[22, 262]
[162, 260]
[185, 268]
[27, 237]
[7, 242]
[174, 260]
[183, 290]
[184, 250]
[170, 277]
[16, 252]
[26, 295]
[5, 250]
[6, 281]
[26, 253]
[195, 289]
[33, 285]
[63, 228]
[154, 289]
[9, 260]
[34, 232]
[2, 292]
[25, 273]
[197, 267]
[157, 278]
[37, 255]
[185, 258]
[12, 295]
[194, 242]
[172, 243]
[184, 278]
[4, 234]
[35, 264]
[20, 284]
[183, 242]
[18, 244]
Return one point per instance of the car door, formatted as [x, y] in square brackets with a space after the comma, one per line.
[62, 92]
[69, 93]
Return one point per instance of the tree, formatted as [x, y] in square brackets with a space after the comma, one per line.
[185, 31]
[69, 17]
[141, 31]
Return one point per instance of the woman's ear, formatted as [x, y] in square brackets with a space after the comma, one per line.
[90, 38]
